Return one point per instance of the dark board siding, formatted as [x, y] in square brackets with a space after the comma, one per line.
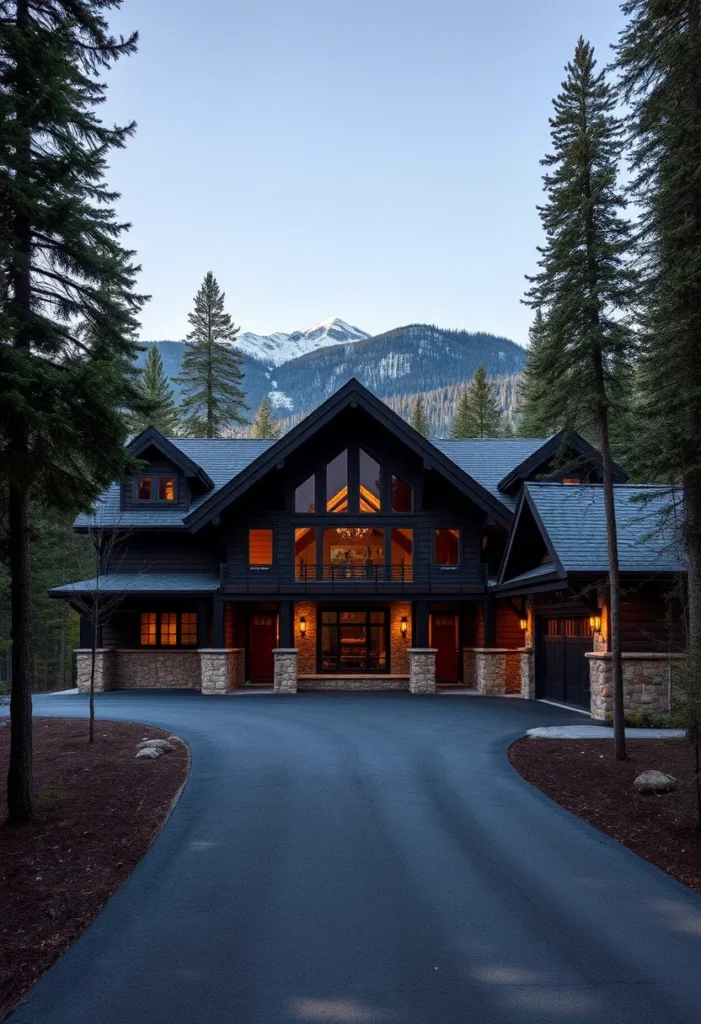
[651, 619]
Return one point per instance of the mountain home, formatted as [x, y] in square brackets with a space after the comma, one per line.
[355, 554]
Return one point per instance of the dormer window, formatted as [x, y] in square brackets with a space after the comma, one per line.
[156, 488]
[166, 488]
[144, 487]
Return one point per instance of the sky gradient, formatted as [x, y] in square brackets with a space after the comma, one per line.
[375, 160]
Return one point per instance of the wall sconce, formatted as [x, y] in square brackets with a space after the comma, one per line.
[303, 626]
[403, 625]
[523, 623]
[595, 622]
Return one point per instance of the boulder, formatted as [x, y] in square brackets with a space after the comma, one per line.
[163, 745]
[150, 753]
[655, 782]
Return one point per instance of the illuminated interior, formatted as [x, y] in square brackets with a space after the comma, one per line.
[337, 484]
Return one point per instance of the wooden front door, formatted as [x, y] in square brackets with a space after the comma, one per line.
[444, 637]
[562, 667]
[262, 638]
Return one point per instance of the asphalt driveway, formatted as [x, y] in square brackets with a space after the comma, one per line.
[372, 858]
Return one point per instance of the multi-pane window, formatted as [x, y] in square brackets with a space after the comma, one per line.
[169, 629]
[402, 496]
[260, 548]
[447, 547]
[337, 484]
[144, 485]
[305, 495]
[568, 627]
[156, 488]
[148, 629]
[369, 470]
[188, 629]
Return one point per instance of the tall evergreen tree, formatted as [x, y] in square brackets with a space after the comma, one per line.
[584, 288]
[265, 423]
[211, 373]
[659, 60]
[67, 305]
[419, 419]
[478, 413]
[536, 415]
[161, 411]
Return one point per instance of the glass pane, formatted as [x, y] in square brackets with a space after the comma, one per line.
[402, 552]
[169, 629]
[329, 648]
[329, 617]
[260, 547]
[553, 627]
[353, 552]
[143, 488]
[188, 628]
[148, 628]
[166, 488]
[447, 547]
[353, 618]
[305, 553]
[377, 650]
[305, 496]
[378, 617]
[337, 484]
[369, 483]
[353, 646]
[402, 496]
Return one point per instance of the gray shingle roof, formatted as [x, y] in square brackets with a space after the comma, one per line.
[221, 458]
[152, 583]
[489, 459]
[575, 520]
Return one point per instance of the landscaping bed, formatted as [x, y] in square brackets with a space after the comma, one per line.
[584, 777]
[98, 809]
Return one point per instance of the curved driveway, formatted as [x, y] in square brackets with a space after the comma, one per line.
[372, 858]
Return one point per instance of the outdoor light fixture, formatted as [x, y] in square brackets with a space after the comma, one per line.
[523, 623]
[403, 625]
[595, 622]
[303, 626]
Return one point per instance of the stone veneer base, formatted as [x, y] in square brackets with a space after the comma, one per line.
[285, 669]
[646, 683]
[422, 670]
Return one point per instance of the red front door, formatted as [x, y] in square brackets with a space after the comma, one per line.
[262, 638]
[444, 637]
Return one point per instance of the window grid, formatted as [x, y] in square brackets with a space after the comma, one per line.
[169, 629]
[188, 628]
[148, 629]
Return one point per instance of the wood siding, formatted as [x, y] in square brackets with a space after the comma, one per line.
[651, 619]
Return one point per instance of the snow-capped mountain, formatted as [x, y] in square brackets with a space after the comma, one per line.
[275, 349]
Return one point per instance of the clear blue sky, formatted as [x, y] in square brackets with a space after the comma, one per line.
[375, 160]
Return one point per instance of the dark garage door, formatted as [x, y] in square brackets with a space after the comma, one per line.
[563, 671]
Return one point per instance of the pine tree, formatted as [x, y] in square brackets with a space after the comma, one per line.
[536, 416]
[67, 305]
[161, 412]
[418, 419]
[265, 424]
[211, 371]
[478, 413]
[584, 288]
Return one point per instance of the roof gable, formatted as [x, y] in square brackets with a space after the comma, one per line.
[351, 395]
[153, 438]
[577, 448]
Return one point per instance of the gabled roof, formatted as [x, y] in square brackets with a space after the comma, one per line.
[572, 521]
[576, 447]
[352, 394]
[143, 583]
[153, 438]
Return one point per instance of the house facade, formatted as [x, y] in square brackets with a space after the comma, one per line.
[354, 554]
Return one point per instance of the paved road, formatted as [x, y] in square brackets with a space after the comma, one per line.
[372, 858]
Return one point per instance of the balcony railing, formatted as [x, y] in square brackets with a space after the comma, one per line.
[344, 572]
[342, 578]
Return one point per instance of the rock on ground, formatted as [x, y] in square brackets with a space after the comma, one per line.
[163, 745]
[151, 753]
[655, 782]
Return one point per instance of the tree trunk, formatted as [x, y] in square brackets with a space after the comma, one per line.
[692, 545]
[19, 776]
[619, 733]
[91, 728]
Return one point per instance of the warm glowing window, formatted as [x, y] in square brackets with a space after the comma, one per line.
[447, 547]
[305, 495]
[166, 488]
[144, 488]
[402, 554]
[148, 629]
[352, 552]
[571, 480]
[169, 629]
[402, 496]
[260, 547]
[337, 484]
[369, 483]
[305, 553]
[188, 628]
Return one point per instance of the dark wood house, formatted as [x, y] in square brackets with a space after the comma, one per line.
[351, 553]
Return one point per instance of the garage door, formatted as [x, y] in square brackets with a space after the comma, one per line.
[563, 671]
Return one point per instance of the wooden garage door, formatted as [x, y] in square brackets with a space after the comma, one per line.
[563, 670]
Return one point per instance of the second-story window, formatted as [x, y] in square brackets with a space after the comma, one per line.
[156, 488]
[260, 549]
[305, 495]
[144, 488]
[402, 496]
[446, 547]
[166, 488]
[369, 483]
[337, 484]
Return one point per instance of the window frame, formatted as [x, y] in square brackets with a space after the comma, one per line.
[157, 644]
[155, 479]
[412, 496]
[449, 566]
[261, 567]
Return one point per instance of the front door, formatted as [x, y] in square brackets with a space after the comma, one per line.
[444, 637]
[563, 668]
[262, 638]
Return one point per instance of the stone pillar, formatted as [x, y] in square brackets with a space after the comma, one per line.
[104, 669]
[285, 671]
[646, 683]
[469, 670]
[527, 673]
[422, 670]
[490, 670]
[216, 669]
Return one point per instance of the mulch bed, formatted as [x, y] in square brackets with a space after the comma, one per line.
[584, 777]
[98, 809]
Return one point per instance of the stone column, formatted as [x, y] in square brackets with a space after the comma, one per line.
[527, 673]
[646, 683]
[216, 670]
[490, 670]
[422, 670]
[104, 669]
[285, 671]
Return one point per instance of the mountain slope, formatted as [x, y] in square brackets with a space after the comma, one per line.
[274, 349]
